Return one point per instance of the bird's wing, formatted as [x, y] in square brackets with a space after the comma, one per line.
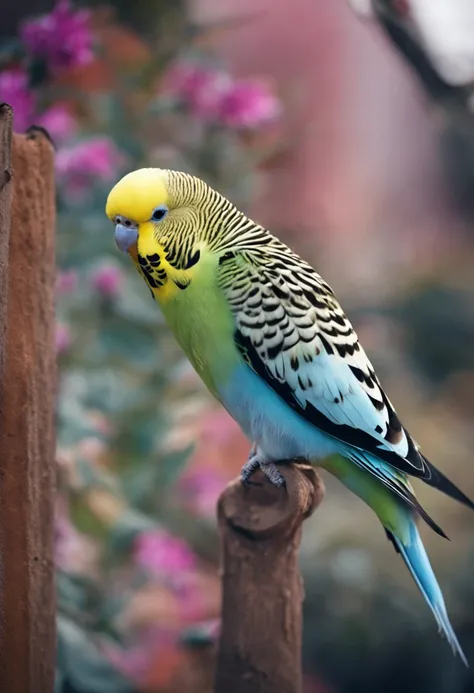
[292, 331]
[391, 478]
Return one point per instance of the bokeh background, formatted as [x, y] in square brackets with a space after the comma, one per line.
[309, 116]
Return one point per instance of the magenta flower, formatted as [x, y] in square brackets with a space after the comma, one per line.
[80, 166]
[201, 488]
[248, 104]
[133, 662]
[200, 89]
[213, 96]
[66, 282]
[106, 280]
[162, 554]
[63, 37]
[14, 91]
[59, 122]
[136, 661]
[63, 338]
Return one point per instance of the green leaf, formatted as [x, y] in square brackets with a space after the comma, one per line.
[124, 532]
[136, 346]
[38, 72]
[73, 593]
[81, 667]
[173, 465]
[85, 520]
[11, 50]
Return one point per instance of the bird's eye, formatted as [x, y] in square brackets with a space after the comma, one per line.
[159, 213]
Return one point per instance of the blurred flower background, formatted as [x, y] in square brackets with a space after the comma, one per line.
[311, 119]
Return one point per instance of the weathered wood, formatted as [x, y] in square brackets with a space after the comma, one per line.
[260, 529]
[6, 117]
[27, 402]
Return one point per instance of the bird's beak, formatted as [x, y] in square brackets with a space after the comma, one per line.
[125, 237]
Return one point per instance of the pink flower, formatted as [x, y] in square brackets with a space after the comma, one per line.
[106, 280]
[218, 427]
[14, 91]
[212, 95]
[136, 661]
[59, 122]
[201, 89]
[162, 554]
[62, 38]
[80, 166]
[63, 338]
[192, 594]
[202, 488]
[66, 282]
[133, 662]
[248, 104]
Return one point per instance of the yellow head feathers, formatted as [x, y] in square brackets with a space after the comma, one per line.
[138, 193]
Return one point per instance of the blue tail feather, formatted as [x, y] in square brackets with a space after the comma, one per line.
[416, 559]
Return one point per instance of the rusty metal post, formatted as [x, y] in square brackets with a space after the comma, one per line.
[27, 403]
[260, 529]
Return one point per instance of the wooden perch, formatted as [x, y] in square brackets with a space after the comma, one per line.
[260, 529]
[27, 404]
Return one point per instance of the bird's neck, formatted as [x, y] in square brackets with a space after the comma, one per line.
[203, 325]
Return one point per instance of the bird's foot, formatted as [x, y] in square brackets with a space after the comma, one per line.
[258, 461]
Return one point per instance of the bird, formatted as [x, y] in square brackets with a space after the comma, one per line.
[270, 341]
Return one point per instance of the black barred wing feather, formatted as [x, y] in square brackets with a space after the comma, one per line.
[293, 333]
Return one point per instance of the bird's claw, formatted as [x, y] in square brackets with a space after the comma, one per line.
[270, 470]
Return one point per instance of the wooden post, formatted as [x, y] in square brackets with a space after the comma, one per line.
[27, 402]
[5, 203]
[260, 529]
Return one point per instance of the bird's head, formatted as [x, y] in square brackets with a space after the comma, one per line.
[142, 208]
[162, 220]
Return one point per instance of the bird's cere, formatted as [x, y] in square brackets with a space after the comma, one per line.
[125, 237]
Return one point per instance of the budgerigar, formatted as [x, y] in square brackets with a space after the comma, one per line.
[269, 339]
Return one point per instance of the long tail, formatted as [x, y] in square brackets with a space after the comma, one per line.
[438, 480]
[391, 497]
[414, 555]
